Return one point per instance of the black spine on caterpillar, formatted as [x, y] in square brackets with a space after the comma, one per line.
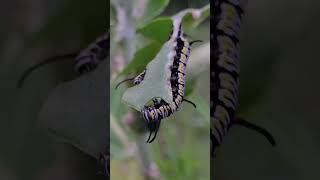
[85, 60]
[225, 67]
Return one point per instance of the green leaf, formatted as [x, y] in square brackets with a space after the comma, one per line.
[151, 29]
[76, 112]
[155, 81]
[141, 58]
[153, 9]
[191, 18]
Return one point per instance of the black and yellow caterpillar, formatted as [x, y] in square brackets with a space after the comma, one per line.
[89, 58]
[225, 68]
[159, 108]
[84, 61]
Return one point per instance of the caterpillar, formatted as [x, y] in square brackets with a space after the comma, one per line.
[89, 58]
[85, 60]
[225, 68]
[160, 109]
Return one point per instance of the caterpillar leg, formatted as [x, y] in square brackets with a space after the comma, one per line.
[192, 103]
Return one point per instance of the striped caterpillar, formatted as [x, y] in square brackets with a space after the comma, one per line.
[89, 58]
[159, 108]
[225, 67]
[84, 61]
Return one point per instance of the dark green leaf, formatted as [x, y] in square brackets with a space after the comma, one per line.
[155, 81]
[153, 9]
[76, 112]
[141, 58]
[151, 30]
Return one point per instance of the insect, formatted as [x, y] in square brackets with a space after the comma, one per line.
[159, 108]
[226, 20]
[84, 61]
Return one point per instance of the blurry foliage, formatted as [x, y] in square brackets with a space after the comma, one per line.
[86, 20]
[80, 103]
[27, 152]
[79, 117]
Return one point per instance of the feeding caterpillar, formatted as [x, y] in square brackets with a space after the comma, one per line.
[225, 68]
[159, 108]
[84, 61]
